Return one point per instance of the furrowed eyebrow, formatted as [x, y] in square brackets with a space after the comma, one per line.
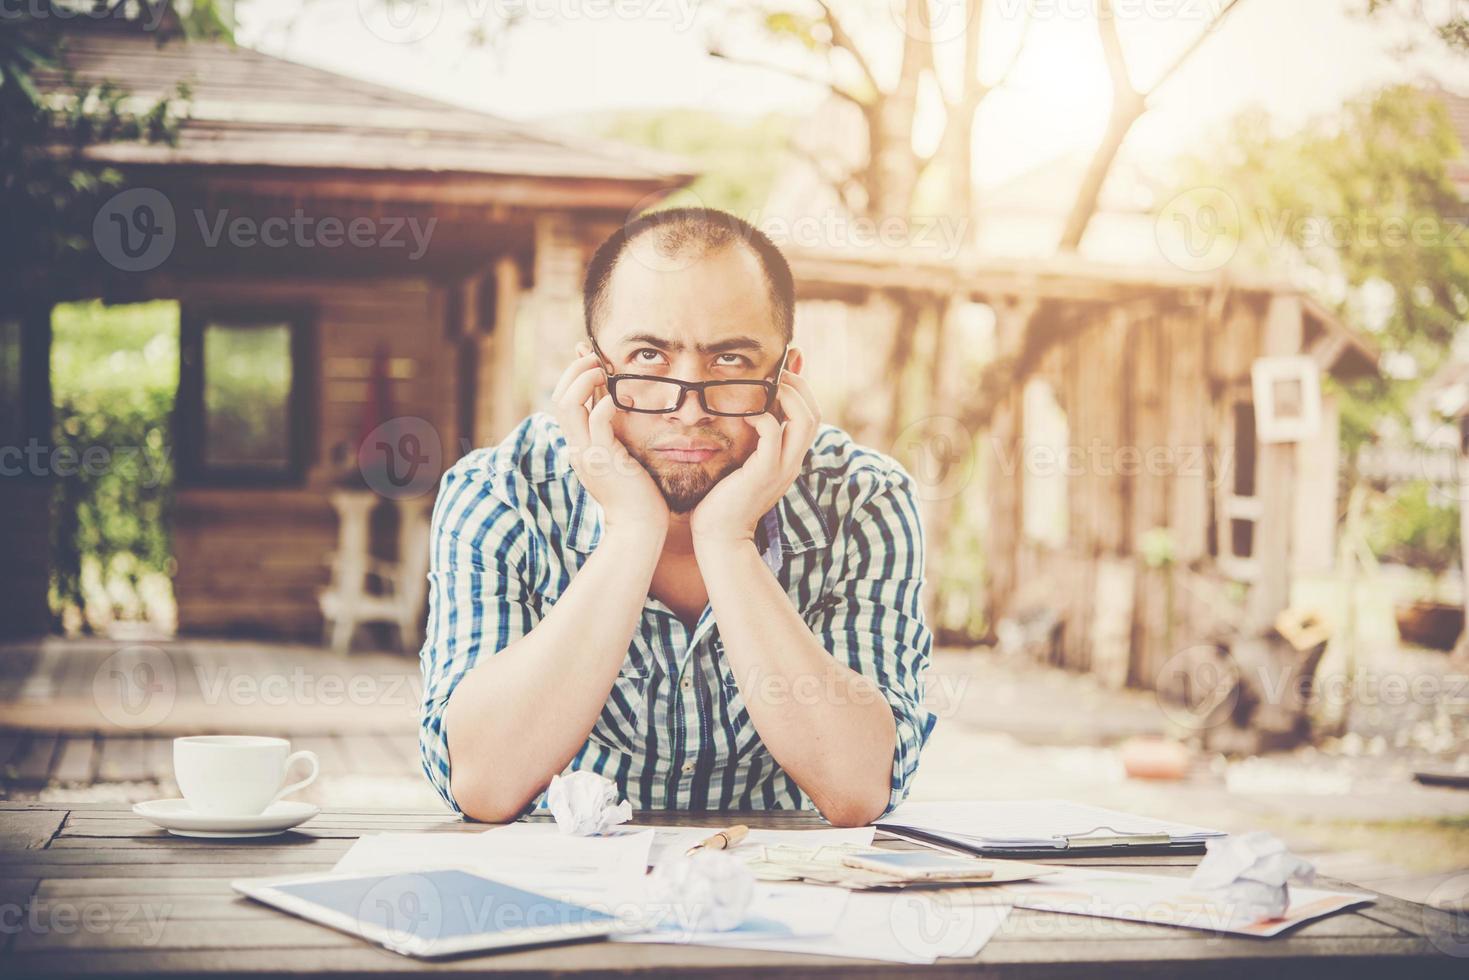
[717, 347]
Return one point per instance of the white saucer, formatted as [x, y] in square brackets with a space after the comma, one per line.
[176, 817]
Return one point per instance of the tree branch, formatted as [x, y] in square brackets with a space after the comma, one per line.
[841, 39]
[1197, 43]
[831, 86]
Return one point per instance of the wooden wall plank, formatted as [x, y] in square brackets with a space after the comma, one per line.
[1276, 473]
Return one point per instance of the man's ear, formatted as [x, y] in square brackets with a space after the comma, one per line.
[795, 360]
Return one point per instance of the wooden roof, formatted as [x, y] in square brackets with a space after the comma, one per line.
[1062, 280]
[251, 110]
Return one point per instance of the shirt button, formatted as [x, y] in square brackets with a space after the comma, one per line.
[688, 767]
[687, 684]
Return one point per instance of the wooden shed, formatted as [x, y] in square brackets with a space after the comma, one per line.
[448, 326]
[1145, 442]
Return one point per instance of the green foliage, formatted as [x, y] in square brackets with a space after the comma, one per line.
[48, 191]
[1449, 21]
[1363, 199]
[114, 380]
[738, 160]
[1415, 525]
[247, 375]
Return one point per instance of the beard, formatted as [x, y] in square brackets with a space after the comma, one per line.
[683, 484]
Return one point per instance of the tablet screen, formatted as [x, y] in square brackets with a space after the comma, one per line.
[438, 905]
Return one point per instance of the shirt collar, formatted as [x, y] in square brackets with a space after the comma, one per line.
[798, 520]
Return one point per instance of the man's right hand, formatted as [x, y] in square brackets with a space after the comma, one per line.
[630, 499]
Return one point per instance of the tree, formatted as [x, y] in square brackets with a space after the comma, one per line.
[48, 189]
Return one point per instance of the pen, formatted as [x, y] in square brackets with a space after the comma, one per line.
[723, 840]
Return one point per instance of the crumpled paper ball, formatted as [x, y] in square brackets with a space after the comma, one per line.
[1251, 874]
[585, 804]
[707, 891]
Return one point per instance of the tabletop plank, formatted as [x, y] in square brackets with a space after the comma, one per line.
[1336, 958]
[29, 831]
[103, 861]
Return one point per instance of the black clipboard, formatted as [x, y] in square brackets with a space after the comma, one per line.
[1121, 845]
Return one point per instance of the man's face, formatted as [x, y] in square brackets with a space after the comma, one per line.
[701, 318]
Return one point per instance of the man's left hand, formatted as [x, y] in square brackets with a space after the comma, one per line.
[733, 507]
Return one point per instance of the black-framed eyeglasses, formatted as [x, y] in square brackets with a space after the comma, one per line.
[657, 395]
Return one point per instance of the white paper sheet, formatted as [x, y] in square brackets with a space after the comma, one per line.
[899, 927]
[1159, 899]
[672, 841]
[778, 911]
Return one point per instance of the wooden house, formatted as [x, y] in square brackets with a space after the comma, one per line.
[301, 156]
[1151, 444]
[1137, 432]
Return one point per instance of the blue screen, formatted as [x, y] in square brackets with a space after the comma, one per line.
[432, 905]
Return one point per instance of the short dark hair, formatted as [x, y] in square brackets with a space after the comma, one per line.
[681, 230]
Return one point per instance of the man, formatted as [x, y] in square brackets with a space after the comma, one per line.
[678, 579]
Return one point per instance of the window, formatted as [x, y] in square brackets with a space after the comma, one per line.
[1239, 508]
[244, 413]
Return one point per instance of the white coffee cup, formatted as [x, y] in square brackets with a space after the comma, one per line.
[236, 775]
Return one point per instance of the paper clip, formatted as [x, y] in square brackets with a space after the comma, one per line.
[1118, 839]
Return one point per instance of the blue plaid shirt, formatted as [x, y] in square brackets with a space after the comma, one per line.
[512, 525]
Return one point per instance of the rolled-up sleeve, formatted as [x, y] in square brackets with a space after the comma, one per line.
[477, 600]
[873, 618]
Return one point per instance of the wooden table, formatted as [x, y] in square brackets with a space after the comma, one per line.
[92, 890]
